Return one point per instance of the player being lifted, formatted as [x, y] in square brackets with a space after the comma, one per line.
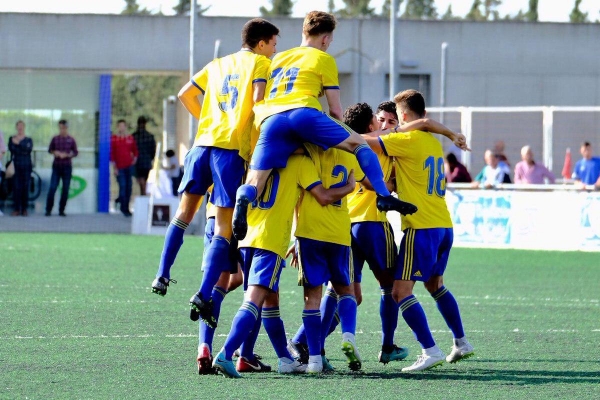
[291, 115]
[230, 85]
[263, 252]
[428, 235]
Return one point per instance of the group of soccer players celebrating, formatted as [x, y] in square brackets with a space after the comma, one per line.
[329, 174]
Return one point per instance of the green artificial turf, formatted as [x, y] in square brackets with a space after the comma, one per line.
[78, 321]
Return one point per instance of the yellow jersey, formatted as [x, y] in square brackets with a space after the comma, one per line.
[270, 218]
[297, 78]
[227, 85]
[362, 202]
[420, 177]
[330, 223]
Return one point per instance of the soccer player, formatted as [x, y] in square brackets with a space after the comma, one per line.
[323, 252]
[230, 85]
[291, 115]
[372, 234]
[428, 235]
[263, 253]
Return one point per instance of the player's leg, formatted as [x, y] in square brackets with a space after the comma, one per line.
[227, 170]
[275, 145]
[340, 266]
[193, 187]
[319, 128]
[446, 303]
[276, 331]
[414, 263]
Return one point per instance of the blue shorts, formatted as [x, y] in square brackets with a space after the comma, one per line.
[374, 243]
[281, 134]
[261, 267]
[423, 253]
[205, 166]
[321, 262]
[234, 253]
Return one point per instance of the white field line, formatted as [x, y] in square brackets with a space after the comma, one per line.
[189, 335]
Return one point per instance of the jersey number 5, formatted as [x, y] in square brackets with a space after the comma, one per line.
[229, 89]
[278, 74]
[436, 181]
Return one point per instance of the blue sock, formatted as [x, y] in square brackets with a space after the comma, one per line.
[247, 191]
[216, 259]
[334, 322]
[300, 336]
[370, 165]
[312, 324]
[173, 242]
[274, 326]
[414, 315]
[329, 304]
[347, 309]
[388, 311]
[206, 333]
[448, 307]
[242, 324]
[247, 348]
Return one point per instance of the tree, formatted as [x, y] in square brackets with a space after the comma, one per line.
[133, 8]
[278, 8]
[532, 14]
[448, 15]
[183, 8]
[475, 13]
[420, 9]
[331, 6]
[577, 16]
[356, 8]
[490, 11]
[387, 7]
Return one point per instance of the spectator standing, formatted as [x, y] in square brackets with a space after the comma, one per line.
[528, 171]
[173, 169]
[123, 155]
[493, 174]
[64, 147]
[499, 148]
[587, 170]
[20, 147]
[455, 171]
[146, 145]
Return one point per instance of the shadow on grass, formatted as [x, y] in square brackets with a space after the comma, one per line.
[515, 376]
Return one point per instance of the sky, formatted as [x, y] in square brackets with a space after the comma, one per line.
[548, 10]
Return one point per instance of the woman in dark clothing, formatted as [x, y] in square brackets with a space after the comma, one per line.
[455, 171]
[20, 147]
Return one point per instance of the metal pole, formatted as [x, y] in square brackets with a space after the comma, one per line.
[193, 16]
[217, 48]
[443, 79]
[393, 77]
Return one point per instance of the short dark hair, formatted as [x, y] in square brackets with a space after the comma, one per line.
[451, 158]
[318, 22]
[387, 106]
[411, 99]
[358, 117]
[121, 120]
[142, 120]
[586, 144]
[170, 153]
[258, 29]
[63, 122]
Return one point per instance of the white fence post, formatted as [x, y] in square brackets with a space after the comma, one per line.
[548, 126]
[466, 118]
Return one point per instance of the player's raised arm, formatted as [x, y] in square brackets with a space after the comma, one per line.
[188, 95]
[328, 196]
[334, 102]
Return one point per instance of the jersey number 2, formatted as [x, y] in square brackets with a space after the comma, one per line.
[337, 171]
[436, 181]
[278, 74]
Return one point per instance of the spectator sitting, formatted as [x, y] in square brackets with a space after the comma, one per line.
[587, 170]
[493, 174]
[528, 172]
[499, 152]
[455, 171]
